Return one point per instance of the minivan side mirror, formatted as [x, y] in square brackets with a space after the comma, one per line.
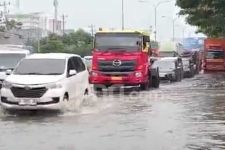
[72, 72]
[8, 72]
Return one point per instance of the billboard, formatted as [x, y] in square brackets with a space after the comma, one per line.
[193, 44]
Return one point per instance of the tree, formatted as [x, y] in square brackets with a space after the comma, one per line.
[10, 25]
[207, 15]
[79, 42]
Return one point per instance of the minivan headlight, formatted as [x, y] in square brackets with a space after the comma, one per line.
[6, 85]
[54, 86]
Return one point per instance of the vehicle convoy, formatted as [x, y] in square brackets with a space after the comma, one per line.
[193, 49]
[122, 58]
[170, 68]
[9, 58]
[45, 82]
[214, 55]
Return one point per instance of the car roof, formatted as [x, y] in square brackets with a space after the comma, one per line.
[88, 57]
[169, 59]
[51, 56]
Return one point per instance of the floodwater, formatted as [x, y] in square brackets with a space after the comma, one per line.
[189, 115]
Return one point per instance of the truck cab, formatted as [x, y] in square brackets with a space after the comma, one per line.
[214, 55]
[122, 58]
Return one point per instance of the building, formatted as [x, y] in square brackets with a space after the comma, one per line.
[35, 25]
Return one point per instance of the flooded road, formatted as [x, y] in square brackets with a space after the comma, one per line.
[189, 115]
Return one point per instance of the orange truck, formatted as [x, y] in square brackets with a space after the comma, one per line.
[214, 54]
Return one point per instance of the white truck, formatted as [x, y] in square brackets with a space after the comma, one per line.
[10, 55]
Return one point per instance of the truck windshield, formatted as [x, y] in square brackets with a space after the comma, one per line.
[9, 61]
[215, 55]
[41, 67]
[118, 42]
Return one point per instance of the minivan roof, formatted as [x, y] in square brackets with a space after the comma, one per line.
[51, 56]
[169, 59]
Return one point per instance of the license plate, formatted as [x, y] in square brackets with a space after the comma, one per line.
[28, 102]
[116, 78]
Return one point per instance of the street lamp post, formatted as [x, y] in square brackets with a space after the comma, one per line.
[173, 24]
[122, 14]
[156, 6]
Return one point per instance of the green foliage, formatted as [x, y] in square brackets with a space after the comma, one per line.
[207, 15]
[9, 25]
[79, 42]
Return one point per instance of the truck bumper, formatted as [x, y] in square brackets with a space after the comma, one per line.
[214, 68]
[128, 79]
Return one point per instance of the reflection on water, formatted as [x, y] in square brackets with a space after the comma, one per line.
[189, 115]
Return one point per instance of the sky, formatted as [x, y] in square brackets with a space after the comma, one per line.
[107, 14]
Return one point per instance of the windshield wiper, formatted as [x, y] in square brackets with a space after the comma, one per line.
[53, 74]
[32, 73]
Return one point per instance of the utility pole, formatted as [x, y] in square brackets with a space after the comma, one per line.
[5, 11]
[64, 23]
[55, 20]
[92, 29]
[156, 6]
[122, 14]
[174, 20]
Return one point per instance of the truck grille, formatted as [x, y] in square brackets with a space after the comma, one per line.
[22, 92]
[126, 66]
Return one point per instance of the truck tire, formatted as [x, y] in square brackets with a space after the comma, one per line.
[155, 82]
[155, 79]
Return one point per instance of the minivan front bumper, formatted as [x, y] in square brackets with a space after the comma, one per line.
[51, 100]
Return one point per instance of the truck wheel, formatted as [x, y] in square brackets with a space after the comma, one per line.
[177, 77]
[155, 82]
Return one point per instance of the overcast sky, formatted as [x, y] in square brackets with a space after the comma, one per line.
[107, 13]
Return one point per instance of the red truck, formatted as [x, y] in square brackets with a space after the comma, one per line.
[123, 58]
[214, 55]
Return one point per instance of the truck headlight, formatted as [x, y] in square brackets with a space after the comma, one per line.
[94, 74]
[138, 74]
[54, 86]
[6, 85]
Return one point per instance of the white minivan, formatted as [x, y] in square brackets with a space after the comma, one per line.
[45, 82]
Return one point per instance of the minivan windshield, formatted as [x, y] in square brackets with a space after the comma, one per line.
[118, 42]
[41, 67]
[9, 61]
